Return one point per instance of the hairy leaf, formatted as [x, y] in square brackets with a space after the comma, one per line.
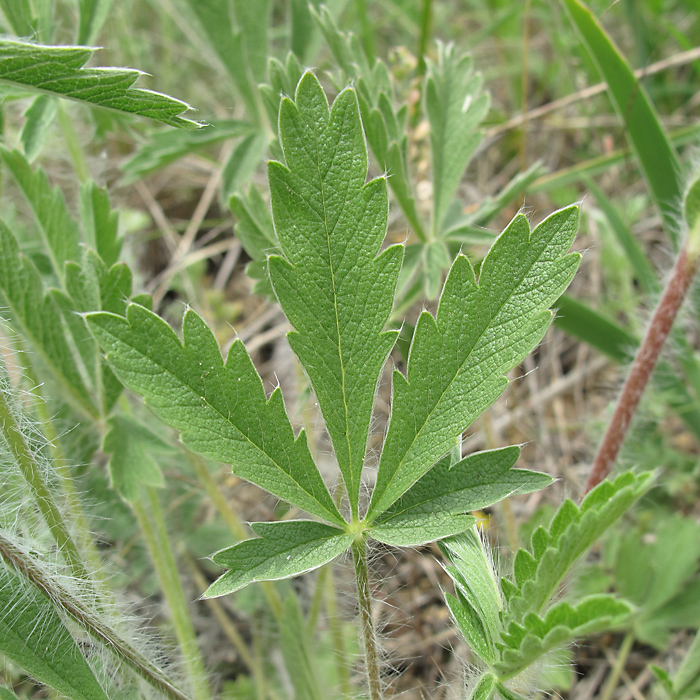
[33, 636]
[221, 408]
[572, 531]
[524, 644]
[478, 605]
[437, 504]
[332, 286]
[458, 361]
[282, 550]
[60, 71]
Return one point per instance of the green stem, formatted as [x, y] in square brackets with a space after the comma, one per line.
[44, 498]
[425, 25]
[155, 534]
[235, 525]
[24, 565]
[618, 667]
[74, 148]
[335, 624]
[369, 634]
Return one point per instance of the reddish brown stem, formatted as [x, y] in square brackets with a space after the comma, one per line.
[643, 365]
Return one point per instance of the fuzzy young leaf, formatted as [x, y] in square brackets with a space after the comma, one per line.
[59, 70]
[437, 505]
[572, 532]
[57, 228]
[283, 550]
[33, 636]
[526, 643]
[455, 110]
[221, 409]
[334, 289]
[477, 608]
[458, 361]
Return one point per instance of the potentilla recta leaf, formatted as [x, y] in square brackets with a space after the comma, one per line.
[458, 361]
[221, 409]
[282, 550]
[335, 290]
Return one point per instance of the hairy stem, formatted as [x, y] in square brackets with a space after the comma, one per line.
[155, 534]
[369, 634]
[31, 472]
[235, 525]
[24, 565]
[664, 315]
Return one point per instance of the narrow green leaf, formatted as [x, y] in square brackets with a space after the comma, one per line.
[458, 361]
[165, 147]
[649, 141]
[436, 260]
[583, 322]
[56, 226]
[296, 649]
[34, 637]
[221, 409]
[38, 317]
[332, 286]
[243, 162]
[40, 116]
[455, 108]
[100, 223]
[282, 550]
[635, 254]
[446, 492]
[19, 14]
[691, 203]
[6, 694]
[131, 446]
[689, 673]
[60, 71]
[93, 14]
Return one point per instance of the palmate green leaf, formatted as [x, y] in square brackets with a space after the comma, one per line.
[455, 108]
[131, 446]
[221, 409]
[60, 71]
[57, 228]
[438, 504]
[458, 361]
[37, 315]
[34, 637]
[526, 643]
[573, 530]
[282, 550]
[334, 290]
